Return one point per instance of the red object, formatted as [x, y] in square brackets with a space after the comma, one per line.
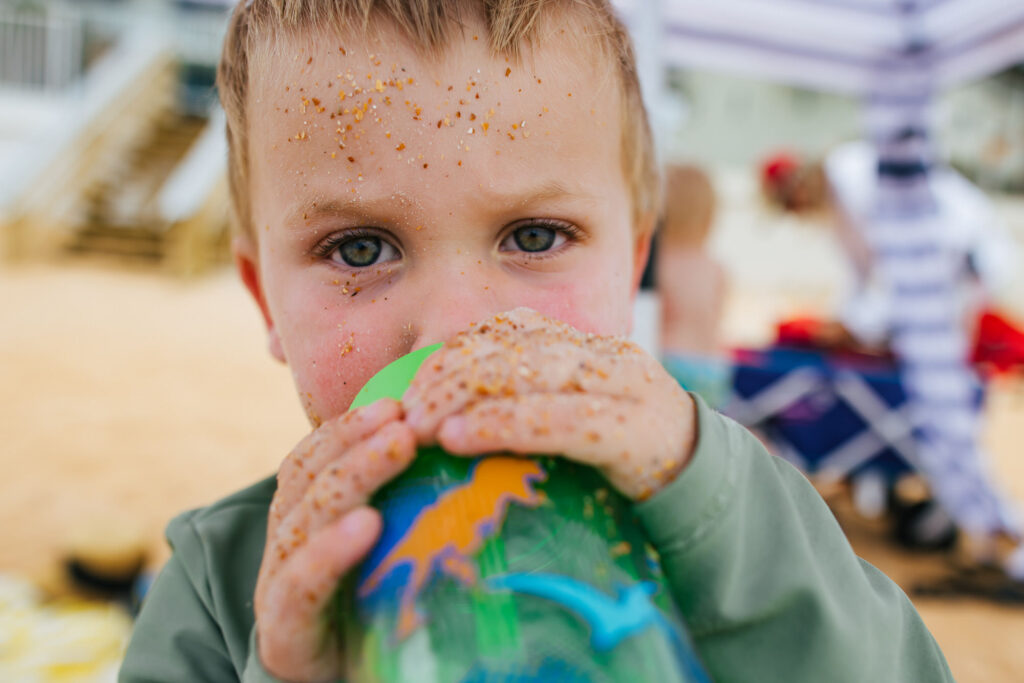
[999, 344]
[778, 168]
[800, 332]
[829, 337]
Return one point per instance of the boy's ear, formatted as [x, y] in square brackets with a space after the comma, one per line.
[642, 249]
[247, 264]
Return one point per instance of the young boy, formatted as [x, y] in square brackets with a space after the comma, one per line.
[404, 169]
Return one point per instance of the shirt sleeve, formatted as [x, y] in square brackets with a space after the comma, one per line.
[176, 636]
[768, 584]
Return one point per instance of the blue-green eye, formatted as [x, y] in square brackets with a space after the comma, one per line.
[534, 238]
[360, 252]
[363, 250]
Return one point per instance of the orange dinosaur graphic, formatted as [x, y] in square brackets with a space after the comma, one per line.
[445, 534]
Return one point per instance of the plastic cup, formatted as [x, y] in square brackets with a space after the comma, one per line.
[507, 568]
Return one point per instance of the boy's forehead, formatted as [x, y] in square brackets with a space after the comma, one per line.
[350, 112]
[383, 47]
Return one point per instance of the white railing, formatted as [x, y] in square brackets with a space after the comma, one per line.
[100, 107]
[42, 46]
[194, 35]
[188, 186]
[40, 49]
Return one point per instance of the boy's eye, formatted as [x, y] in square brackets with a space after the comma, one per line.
[533, 238]
[363, 251]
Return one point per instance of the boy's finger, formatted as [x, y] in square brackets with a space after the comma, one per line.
[558, 368]
[593, 427]
[323, 446]
[289, 624]
[499, 336]
[345, 484]
[351, 480]
[629, 442]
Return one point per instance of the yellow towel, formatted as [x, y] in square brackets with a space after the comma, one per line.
[63, 641]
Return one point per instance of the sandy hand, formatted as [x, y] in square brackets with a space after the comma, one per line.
[524, 383]
[319, 528]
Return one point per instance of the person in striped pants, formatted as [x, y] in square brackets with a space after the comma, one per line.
[905, 216]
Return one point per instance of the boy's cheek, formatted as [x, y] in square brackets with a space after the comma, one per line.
[589, 306]
[330, 374]
[334, 349]
[332, 356]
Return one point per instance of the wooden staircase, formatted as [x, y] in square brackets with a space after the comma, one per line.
[125, 176]
[121, 218]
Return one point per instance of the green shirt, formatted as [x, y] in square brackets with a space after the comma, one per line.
[759, 568]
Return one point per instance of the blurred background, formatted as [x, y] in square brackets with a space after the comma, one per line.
[134, 382]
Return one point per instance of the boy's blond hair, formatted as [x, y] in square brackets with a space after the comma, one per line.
[429, 25]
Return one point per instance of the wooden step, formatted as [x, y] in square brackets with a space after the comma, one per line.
[127, 234]
[104, 239]
[132, 237]
[120, 248]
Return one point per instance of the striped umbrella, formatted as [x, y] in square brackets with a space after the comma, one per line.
[855, 47]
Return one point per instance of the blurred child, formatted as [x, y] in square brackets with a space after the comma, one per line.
[691, 281]
[692, 286]
[401, 171]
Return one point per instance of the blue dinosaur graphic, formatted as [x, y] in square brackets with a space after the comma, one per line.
[610, 620]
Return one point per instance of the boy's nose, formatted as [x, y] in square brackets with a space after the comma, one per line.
[444, 311]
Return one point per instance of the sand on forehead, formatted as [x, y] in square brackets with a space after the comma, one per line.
[126, 397]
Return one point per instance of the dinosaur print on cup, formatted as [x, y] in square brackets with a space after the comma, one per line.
[445, 534]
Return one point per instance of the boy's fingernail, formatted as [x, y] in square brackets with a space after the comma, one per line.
[383, 409]
[412, 415]
[453, 430]
[357, 520]
[372, 410]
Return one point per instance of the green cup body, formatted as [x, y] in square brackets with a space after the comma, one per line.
[507, 568]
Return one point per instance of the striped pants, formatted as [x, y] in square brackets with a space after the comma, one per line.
[929, 339]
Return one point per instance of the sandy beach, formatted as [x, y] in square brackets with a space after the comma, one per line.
[126, 397]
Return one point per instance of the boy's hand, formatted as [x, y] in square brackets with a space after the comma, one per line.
[318, 529]
[524, 383]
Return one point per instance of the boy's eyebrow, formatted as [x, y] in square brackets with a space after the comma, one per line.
[362, 208]
[333, 208]
[550, 189]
